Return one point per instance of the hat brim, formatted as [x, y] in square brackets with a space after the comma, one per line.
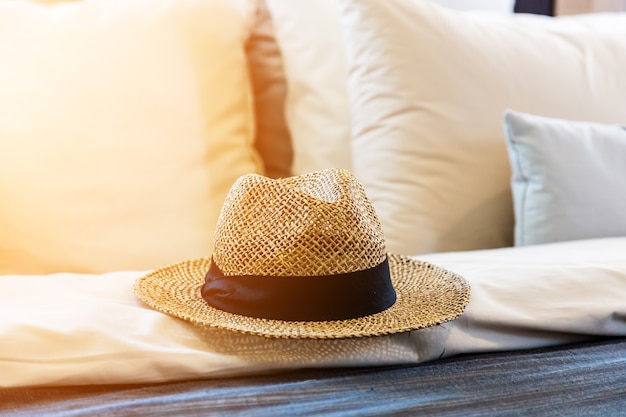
[427, 295]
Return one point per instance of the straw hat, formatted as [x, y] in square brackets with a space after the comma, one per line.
[304, 257]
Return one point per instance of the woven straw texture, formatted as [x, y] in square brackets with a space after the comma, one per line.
[316, 224]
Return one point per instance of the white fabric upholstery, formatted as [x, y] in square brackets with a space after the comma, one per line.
[90, 329]
[123, 124]
[317, 112]
[428, 90]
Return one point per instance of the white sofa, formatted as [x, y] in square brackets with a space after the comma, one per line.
[124, 123]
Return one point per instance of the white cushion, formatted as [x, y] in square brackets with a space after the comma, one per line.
[429, 87]
[317, 111]
[569, 178]
[70, 329]
[123, 125]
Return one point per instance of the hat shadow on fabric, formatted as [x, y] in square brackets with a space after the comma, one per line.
[402, 348]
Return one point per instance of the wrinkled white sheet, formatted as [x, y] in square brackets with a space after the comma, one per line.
[67, 329]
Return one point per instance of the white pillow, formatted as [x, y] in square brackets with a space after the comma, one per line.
[569, 178]
[123, 123]
[429, 87]
[317, 111]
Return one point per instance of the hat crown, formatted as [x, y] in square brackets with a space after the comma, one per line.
[315, 224]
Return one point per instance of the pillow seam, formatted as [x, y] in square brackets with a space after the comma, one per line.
[520, 217]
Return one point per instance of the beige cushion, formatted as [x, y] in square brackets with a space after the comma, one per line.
[272, 138]
[429, 87]
[124, 124]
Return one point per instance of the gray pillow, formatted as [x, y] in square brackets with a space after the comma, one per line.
[568, 178]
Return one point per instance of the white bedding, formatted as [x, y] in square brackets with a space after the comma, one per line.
[90, 329]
